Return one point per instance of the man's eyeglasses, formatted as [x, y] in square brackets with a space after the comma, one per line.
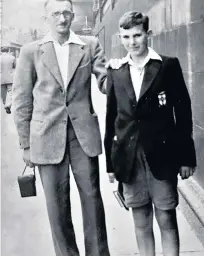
[66, 14]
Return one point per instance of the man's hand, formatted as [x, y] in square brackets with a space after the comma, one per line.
[26, 157]
[186, 172]
[115, 63]
[111, 177]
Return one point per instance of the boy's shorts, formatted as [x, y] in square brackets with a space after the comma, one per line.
[144, 188]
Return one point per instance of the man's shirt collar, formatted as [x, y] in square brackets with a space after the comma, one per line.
[151, 55]
[73, 39]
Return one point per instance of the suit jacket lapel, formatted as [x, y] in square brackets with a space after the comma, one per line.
[151, 71]
[126, 80]
[75, 54]
[49, 58]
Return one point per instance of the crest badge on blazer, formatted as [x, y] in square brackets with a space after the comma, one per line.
[162, 98]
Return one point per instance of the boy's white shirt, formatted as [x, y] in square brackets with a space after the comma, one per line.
[137, 72]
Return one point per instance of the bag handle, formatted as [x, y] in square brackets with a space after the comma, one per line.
[25, 170]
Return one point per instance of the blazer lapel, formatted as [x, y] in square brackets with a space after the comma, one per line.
[49, 58]
[126, 80]
[75, 54]
[151, 70]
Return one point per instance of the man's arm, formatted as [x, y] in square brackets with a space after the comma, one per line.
[184, 123]
[111, 113]
[23, 84]
[98, 65]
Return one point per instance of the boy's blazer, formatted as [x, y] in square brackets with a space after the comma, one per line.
[42, 105]
[161, 120]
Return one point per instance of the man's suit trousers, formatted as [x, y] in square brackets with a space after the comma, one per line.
[6, 94]
[56, 184]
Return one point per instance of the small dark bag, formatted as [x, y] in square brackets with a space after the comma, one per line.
[27, 184]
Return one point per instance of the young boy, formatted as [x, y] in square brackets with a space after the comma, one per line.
[148, 137]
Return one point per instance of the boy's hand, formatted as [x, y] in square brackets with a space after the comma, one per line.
[111, 177]
[115, 63]
[186, 172]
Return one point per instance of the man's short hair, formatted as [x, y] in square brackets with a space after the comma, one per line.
[47, 1]
[132, 19]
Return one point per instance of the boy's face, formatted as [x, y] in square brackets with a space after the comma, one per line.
[134, 40]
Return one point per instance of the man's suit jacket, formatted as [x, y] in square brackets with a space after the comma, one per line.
[42, 106]
[7, 68]
[161, 120]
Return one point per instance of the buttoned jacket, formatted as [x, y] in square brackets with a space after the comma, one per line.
[160, 121]
[43, 106]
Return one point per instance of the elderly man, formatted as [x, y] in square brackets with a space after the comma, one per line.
[58, 127]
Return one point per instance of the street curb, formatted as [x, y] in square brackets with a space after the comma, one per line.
[192, 205]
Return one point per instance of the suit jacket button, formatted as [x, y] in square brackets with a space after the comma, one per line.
[61, 90]
[132, 137]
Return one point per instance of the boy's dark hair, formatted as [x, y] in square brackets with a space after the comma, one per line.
[132, 19]
[47, 1]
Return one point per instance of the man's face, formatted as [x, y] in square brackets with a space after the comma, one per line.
[134, 40]
[59, 16]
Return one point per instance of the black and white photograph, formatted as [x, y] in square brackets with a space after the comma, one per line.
[102, 127]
